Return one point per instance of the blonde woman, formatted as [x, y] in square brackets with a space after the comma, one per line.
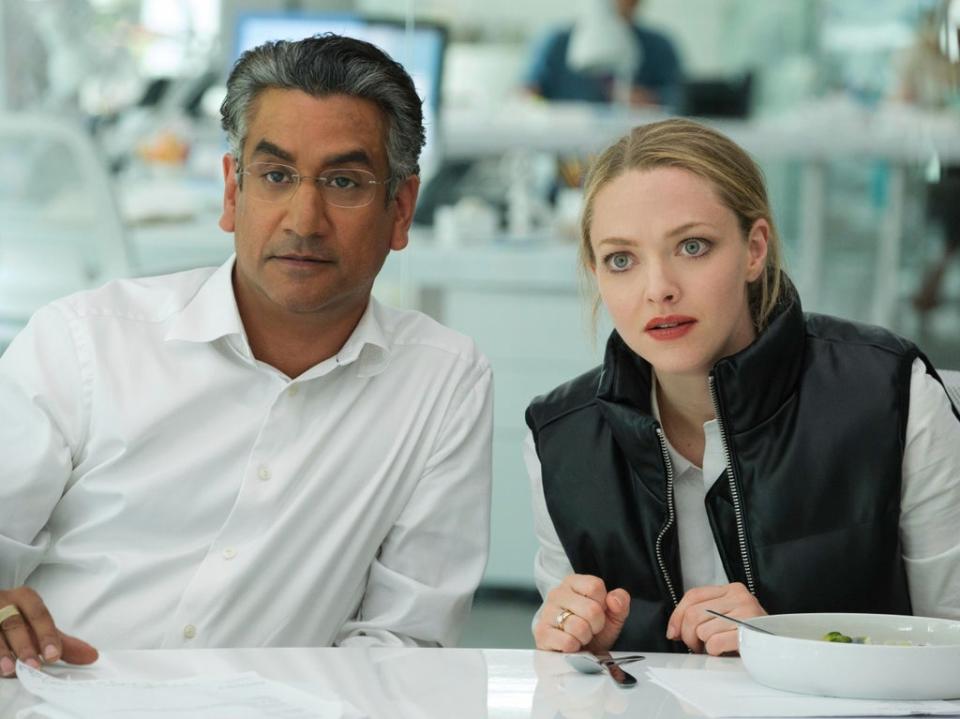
[731, 453]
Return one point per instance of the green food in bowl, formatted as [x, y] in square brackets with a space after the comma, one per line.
[842, 638]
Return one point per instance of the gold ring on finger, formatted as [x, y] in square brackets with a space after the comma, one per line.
[8, 611]
[563, 617]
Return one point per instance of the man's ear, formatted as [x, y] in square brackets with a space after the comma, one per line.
[406, 202]
[228, 218]
[757, 241]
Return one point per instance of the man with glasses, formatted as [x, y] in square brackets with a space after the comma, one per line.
[259, 454]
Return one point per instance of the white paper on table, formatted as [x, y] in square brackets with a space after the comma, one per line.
[735, 694]
[239, 696]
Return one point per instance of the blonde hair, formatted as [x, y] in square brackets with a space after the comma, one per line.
[713, 156]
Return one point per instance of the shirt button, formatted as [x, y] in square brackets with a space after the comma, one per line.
[229, 553]
[263, 473]
[294, 389]
[189, 631]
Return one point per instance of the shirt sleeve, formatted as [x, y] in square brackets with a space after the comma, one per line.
[421, 584]
[930, 503]
[551, 565]
[41, 428]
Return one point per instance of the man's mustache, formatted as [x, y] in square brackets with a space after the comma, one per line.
[306, 247]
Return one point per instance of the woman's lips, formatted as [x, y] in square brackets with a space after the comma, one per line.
[669, 328]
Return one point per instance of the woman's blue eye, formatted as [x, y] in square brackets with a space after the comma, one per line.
[694, 248]
[619, 261]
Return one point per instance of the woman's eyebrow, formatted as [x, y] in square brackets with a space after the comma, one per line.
[687, 226]
[615, 241]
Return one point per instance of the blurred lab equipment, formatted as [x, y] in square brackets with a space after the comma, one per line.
[529, 179]
[61, 229]
[717, 97]
[471, 220]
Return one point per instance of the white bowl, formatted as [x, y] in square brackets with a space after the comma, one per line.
[798, 659]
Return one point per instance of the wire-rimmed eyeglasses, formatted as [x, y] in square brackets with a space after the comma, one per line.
[276, 182]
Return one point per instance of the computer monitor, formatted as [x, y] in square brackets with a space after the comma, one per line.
[419, 49]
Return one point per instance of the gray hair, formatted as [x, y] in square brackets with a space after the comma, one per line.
[331, 65]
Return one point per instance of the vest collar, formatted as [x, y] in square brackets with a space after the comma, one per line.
[751, 384]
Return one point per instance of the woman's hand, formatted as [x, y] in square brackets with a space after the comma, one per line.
[702, 632]
[580, 613]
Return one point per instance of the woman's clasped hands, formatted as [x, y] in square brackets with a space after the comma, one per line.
[580, 614]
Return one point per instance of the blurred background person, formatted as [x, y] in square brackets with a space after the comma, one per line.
[931, 80]
[587, 60]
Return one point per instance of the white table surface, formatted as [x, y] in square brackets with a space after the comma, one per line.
[410, 683]
[413, 683]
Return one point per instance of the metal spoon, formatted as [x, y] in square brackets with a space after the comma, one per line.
[742, 623]
[594, 665]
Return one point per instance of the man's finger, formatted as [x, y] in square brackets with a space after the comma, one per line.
[45, 636]
[20, 640]
[77, 651]
[8, 662]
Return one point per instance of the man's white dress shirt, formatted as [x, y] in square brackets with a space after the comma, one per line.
[929, 510]
[160, 487]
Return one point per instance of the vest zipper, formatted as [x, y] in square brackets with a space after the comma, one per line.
[734, 494]
[671, 514]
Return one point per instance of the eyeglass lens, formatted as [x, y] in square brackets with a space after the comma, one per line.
[275, 182]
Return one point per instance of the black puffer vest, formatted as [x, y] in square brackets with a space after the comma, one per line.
[813, 416]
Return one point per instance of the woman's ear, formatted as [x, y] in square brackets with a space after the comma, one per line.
[757, 240]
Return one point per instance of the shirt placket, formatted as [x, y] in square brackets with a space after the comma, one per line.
[236, 544]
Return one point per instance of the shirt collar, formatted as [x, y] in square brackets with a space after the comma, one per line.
[368, 344]
[212, 313]
[682, 465]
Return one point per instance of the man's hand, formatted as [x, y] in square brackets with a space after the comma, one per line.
[29, 634]
[702, 632]
[592, 616]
